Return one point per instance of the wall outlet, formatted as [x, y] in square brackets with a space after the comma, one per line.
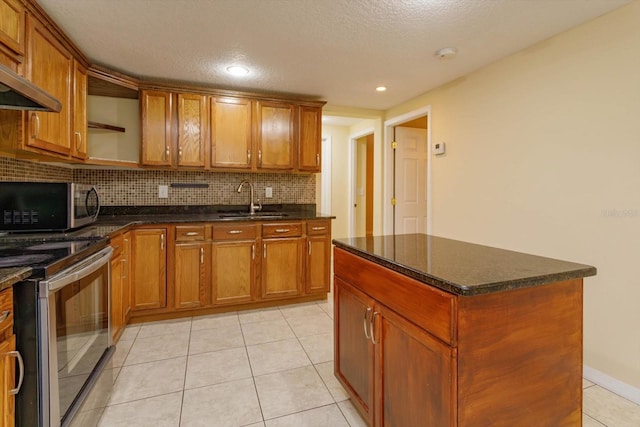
[268, 192]
[163, 191]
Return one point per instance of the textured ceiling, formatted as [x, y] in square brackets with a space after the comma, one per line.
[338, 50]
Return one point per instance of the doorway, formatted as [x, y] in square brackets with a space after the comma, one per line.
[408, 174]
[363, 192]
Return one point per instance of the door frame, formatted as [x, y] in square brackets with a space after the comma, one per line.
[325, 176]
[352, 175]
[387, 210]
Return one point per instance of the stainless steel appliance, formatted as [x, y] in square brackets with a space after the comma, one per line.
[47, 206]
[18, 93]
[62, 327]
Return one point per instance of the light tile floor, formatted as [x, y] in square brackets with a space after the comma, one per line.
[267, 368]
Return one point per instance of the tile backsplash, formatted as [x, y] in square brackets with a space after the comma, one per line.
[24, 170]
[140, 187]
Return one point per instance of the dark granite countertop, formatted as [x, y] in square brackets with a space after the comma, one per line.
[9, 276]
[462, 268]
[113, 220]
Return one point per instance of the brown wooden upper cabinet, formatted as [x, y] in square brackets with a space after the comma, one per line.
[79, 137]
[192, 127]
[12, 18]
[231, 139]
[275, 135]
[156, 128]
[310, 142]
[50, 67]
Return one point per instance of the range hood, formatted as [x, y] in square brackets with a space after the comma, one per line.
[18, 93]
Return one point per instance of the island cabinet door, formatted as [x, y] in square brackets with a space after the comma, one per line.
[354, 355]
[414, 374]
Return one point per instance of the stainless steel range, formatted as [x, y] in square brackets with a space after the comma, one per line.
[62, 326]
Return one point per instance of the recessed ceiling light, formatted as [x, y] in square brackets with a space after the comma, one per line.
[237, 70]
[381, 88]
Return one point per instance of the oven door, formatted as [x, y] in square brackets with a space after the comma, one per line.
[75, 338]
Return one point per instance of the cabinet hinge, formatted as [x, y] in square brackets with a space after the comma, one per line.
[394, 145]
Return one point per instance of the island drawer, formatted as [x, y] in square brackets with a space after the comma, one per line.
[282, 229]
[187, 233]
[234, 232]
[6, 312]
[429, 308]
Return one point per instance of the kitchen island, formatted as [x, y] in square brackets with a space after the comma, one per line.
[436, 332]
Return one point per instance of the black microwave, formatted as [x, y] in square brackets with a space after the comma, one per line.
[47, 206]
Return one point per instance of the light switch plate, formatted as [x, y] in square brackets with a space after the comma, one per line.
[268, 192]
[438, 148]
[163, 191]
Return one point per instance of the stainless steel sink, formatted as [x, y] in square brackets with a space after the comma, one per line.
[257, 215]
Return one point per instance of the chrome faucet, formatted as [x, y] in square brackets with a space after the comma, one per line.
[252, 208]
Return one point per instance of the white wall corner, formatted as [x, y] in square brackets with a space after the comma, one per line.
[614, 385]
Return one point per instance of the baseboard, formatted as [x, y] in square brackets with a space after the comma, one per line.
[616, 386]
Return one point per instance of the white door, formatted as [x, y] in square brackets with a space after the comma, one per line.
[411, 180]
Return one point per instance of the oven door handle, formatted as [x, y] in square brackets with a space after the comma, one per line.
[73, 274]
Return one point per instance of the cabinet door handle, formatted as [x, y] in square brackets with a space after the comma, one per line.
[162, 242]
[372, 327]
[309, 247]
[18, 356]
[4, 315]
[78, 140]
[124, 268]
[166, 152]
[201, 255]
[253, 251]
[318, 228]
[264, 250]
[180, 154]
[260, 157]
[248, 157]
[317, 159]
[234, 231]
[191, 233]
[365, 323]
[282, 230]
[36, 121]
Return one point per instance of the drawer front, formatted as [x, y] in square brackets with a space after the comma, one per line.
[282, 229]
[234, 232]
[315, 228]
[426, 306]
[6, 311]
[189, 233]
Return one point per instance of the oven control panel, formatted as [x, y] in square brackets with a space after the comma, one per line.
[14, 217]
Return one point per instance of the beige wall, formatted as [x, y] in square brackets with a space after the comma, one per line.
[543, 156]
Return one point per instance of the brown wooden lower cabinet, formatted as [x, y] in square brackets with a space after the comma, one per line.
[7, 382]
[409, 354]
[190, 274]
[149, 268]
[221, 264]
[282, 267]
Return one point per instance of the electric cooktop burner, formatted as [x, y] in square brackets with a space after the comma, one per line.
[47, 253]
[24, 260]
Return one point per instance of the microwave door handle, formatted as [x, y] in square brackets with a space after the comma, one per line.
[74, 274]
